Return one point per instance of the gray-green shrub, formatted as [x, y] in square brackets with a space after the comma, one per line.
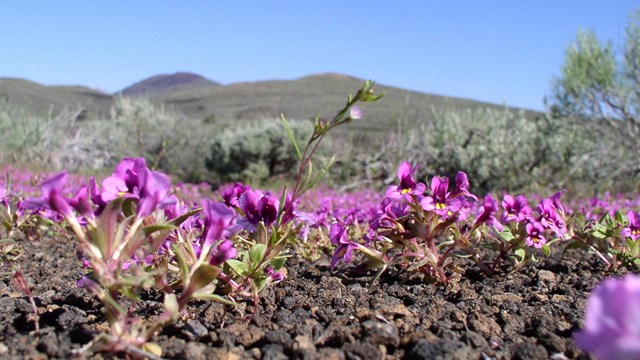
[256, 151]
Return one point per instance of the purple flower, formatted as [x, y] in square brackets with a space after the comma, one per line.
[612, 320]
[339, 236]
[276, 276]
[125, 180]
[4, 197]
[80, 202]
[233, 192]
[132, 179]
[51, 197]
[633, 230]
[488, 214]
[257, 207]
[223, 252]
[388, 212]
[534, 235]
[268, 207]
[441, 201]
[408, 185]
[219, 222]
[549, 217]
[515, 209]
[154, 188]
[462, 186]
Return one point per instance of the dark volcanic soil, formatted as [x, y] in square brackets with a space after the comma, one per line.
[320, 313]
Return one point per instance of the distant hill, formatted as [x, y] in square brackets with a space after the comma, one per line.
[39, 99]
[200, 98]
[167, 84]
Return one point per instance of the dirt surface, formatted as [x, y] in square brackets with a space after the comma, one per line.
[320, 313]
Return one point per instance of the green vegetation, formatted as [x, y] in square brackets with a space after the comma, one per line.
[600, 87]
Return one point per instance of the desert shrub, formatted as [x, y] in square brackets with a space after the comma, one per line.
[256, 151]
[167, 141]
[498, 149]
[46, 142]
[599, 86]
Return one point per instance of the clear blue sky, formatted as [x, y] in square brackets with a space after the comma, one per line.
[498, 51]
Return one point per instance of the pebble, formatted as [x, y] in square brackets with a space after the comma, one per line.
[381, 333]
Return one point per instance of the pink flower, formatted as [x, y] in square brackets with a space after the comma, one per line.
[612, 320]
[51, 197]
[633, 230]
[534, 235]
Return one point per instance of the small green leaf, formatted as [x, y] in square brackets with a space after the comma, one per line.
[256, 254]
[546, 250]
[506, 235]
[261, 234]
[213, 297]
[291, 136]
[202, 277]
[238, 266]
[182, 260]
[521, 254]
[152, 348]
[180, 219]
[171, 305]
[260, 283]
[129, 207]
[148, 230]
[278, 262]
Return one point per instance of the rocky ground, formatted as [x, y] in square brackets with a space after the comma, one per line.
[321, 313]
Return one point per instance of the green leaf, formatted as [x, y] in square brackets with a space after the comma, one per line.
[521, 254]
[506, 235]
[278, 262]
[202, 277]
[129, 207]
[621, 218]
[256, 254]
[171, 305]
[546, 250]
[238, 266]
[419, 264]
[291, 136]
[180, 219]
[182, 261]
[148, 230]
[260, 283]
[261, 233]
[202, 295]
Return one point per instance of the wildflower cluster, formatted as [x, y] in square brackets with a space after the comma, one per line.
[422, 229]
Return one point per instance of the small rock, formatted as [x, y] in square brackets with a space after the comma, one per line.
[289, 302]
[528, 350]
[440, 350]
[273, 352]
[194, 351]
[3, 348]
[501, 298]
[546, 276]
[484, 325]
[48, 344]
[194, 330]
[381, 333]
[303, 346]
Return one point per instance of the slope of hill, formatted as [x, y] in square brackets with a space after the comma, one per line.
[302, 98]
[167, 84]
[40, 100]
[199, 98]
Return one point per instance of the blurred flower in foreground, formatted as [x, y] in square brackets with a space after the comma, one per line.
[612, 320]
